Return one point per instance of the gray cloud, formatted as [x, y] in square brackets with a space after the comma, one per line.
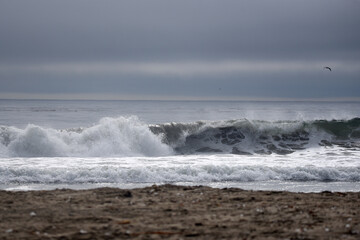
[137, 29]
[115, 47]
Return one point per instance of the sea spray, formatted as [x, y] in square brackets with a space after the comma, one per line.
[110, 137]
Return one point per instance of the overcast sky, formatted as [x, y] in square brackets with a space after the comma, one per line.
[185, 49]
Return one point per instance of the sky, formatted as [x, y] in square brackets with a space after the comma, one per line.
[180, 50]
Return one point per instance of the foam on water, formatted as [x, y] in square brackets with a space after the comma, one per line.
[110, 137]
[209, 168]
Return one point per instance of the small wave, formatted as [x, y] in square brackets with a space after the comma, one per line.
[158, 174]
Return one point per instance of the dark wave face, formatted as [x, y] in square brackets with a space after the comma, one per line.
[246, 137]
[345, 130]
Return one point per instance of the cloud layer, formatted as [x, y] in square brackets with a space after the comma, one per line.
[102, 47]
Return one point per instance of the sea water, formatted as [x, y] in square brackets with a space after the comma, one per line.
[293, 146]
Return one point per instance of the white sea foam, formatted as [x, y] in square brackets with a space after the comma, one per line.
[110, 137]
[205, 169]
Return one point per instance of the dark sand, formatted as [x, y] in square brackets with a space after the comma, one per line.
[177, 212]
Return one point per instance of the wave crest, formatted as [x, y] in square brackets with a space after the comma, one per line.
[110, 137]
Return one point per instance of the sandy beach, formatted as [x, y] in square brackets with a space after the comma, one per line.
[178, 212]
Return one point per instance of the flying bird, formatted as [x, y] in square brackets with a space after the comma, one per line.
[327, 68]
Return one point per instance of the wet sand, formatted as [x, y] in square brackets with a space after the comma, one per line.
[176, 212]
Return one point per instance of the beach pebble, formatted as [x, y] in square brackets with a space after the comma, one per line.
[9, 230]
[32, 214]
[82, 231]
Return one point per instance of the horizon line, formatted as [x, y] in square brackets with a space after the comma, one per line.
[189, 99]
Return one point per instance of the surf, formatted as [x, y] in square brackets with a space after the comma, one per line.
[122, 136]
[128, 136]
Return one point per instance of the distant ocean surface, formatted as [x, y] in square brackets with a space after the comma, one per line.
[293, 146]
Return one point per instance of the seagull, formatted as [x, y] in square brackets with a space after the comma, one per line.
[327, 68]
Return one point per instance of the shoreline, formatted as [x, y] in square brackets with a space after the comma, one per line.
[178, 212]
[273, 185]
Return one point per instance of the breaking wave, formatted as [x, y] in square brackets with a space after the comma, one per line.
[128, 136]
[110, 137]
[245, 137]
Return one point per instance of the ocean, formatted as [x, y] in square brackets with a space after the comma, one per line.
[291, 146]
